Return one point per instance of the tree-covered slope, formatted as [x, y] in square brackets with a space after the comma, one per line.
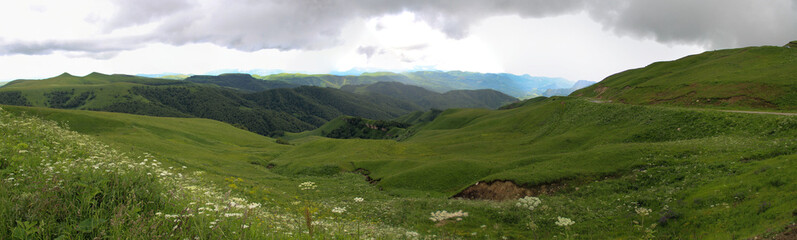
[751, 77]
[243, 82]
[519, 86]
[484, 98]
[270, 112]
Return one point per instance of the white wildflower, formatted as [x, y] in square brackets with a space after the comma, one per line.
[563, 222]
[642, 211]
[339, 210]
[528, 202]
[358, 199]
[444, 215]
[307, 186]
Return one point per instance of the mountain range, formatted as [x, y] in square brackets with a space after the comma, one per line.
[264, 107]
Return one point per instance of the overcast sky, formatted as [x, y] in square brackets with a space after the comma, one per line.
[574, 39]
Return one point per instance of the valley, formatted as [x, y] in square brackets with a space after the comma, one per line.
[659, 152]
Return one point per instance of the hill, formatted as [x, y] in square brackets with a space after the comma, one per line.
[484, 98]
[514, 85]
[243, 82]
[267, 112]
[598, 161]
[744, 78]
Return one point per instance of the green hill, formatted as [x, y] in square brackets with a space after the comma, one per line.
[267, 112]
[596, 164]
[484, 98]
[514, 85]
[675, 161]
[744, 78]
[243, 82]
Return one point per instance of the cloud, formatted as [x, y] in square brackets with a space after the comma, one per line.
[94, 48]
[711, 23]
[368, 51]
[250, 25]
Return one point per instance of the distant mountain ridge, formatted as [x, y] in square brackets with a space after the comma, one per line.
[484, 98]
[519, 86]
[567, 91]
[232, 98]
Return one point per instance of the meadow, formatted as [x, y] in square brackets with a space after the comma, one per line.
[611, 170]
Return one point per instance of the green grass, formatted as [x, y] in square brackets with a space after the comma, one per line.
[704, 174]
[744, 78]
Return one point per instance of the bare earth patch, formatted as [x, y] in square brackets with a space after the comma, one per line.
[506, 190]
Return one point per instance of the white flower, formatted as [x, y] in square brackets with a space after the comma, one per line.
[253, 205]
[528, 202]
[338, 210]
[358, 199]
[642, 211]
[563, 222]
[307, 186]
[233, 215]
[443, 215]
[244, 226]
[412, 234]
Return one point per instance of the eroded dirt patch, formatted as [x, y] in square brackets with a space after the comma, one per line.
[507, 190]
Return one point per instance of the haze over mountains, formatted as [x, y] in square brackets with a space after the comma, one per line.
[519, 86]
[267, 107]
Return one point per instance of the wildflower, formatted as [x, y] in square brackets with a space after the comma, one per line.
[444, 215]
[563, 222]
[253, 205]
[307, 186]
[528, 202]
[339, 210]
[642, 211]
[244, 226]
[412, 234]
[358, 199]
[233, 215]
[171, 215]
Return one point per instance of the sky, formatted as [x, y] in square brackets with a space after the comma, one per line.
[572, 39]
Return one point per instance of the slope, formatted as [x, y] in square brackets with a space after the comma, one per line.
[269, 112]
[744, 78]
[427, 99]
[243, 82]
[700, 158]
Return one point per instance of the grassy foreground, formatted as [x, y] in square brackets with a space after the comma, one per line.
[624, 171]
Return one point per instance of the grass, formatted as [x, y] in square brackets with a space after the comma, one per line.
[743, 78]
[703, 174]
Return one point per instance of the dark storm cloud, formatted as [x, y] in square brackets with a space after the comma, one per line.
[101, 49]
[251, 25]
[711, 23]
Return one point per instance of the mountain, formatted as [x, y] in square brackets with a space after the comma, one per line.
[268, 112]
[243, 82]
[514, 85]
[485, 98]
[747, 78]
[567, 91]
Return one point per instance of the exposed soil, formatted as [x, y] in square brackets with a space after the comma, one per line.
[366, 173]
[600, 91]
[507, 190]
[789, 234]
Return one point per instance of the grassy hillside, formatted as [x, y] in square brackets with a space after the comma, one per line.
[601, 165]
[744, 78]
[243, 82]
[484, 98]
[602, 160]
[269, 112]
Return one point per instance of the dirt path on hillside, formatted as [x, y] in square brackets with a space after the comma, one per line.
[731, 111]
[755, 112]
